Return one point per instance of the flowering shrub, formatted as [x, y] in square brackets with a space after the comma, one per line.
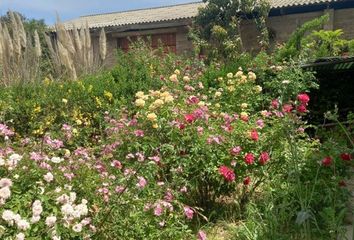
[157, 166]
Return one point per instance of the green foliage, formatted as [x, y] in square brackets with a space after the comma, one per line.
[293, 46]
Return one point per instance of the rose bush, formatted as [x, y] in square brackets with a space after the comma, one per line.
[157, 167]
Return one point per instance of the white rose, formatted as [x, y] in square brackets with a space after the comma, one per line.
[8, 215]
[67, 209]
[77, 228]
[35, 219]
[20, 236]
[56, 159]
[15, 157]
[5, 182]
[23, 225]
[5, 193]
[50, 221]
[48, 177]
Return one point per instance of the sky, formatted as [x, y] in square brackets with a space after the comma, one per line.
[69, 9]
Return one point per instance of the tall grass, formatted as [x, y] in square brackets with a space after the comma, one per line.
[69, 52]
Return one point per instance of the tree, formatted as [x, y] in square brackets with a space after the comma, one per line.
[218, 24]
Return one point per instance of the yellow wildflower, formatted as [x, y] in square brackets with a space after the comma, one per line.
[64, 100]
[155, 125]
[177, 72]
[108, 95]
[37, 109]
[230, 75]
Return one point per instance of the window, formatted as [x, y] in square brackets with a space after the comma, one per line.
[168, 41]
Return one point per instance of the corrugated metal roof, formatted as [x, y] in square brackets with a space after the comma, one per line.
[167, 13]
[149, 15]
[292, 3]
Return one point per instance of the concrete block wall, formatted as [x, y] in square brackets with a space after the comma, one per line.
[283, 26]
[183, 44]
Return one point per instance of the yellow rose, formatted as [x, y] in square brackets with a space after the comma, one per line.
[139, 103]
[165, 94]
[231, 88]
[218, 94]
[152, 117]
[243, 79]
[244, 114]
[230, 75]
[158, 103]
[140, 94]
[201, 104]
[244, 105]
[258, 89]
[155, 125]
[174, 78]
[169, 99]
[239, 74]
[252, 76]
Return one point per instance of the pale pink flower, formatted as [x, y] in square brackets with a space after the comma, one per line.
[201, 235]
[188, 212]
[158, 210]
[5, 182]
[142, 182]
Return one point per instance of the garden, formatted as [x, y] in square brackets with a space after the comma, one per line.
[213, 146]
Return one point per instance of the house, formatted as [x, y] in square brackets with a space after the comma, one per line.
[169, 24]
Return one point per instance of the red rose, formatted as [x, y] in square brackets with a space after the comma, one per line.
[346, 156]
[264, 158]
[189, 118]
[181, 126]
[254, 135]
[327, 161]
[342, 183]
[301, 108]
[227, 173]
[249, 158]
[247, 181]
[303, 98]
[275, 103]
[287, 108]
